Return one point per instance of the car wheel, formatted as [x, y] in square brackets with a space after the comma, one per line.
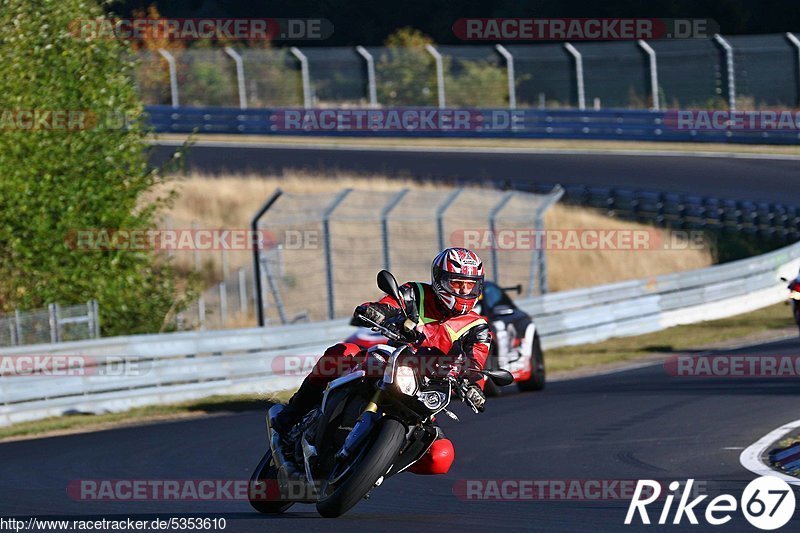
[537, 379]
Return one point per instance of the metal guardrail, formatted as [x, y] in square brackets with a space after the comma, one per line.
[605, 124]
[188, 365]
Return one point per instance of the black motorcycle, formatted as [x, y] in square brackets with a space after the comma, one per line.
[373, 423]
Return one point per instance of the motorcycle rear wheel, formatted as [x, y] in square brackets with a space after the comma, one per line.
[363, 475]
[266, 473]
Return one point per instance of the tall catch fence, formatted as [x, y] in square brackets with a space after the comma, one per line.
[746, 72]
[322, 251]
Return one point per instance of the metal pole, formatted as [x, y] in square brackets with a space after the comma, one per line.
[257, 252]
[96, 319]
[273, 288]
[796, 42]
[326, 236]
[242, 291]
[12, 332]
[304, 74]
[385, 226]
[239, 75]
[90, 318]
[653, 73]
[18, 325]
[578, 74]
[512, 86]
[437, 57]
[539, 258]
[730, 68]
[173, 76]
[53, 319]
[372, 88]
[223, 304]
[493, 232]
[440, 215]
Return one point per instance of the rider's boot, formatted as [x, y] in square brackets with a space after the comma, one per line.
[307, 396]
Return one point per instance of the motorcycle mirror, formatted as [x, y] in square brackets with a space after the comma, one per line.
[388, 284]
[501, 377]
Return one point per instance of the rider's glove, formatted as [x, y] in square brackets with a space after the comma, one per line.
[405, 327]
[372, 312]
[475, 395]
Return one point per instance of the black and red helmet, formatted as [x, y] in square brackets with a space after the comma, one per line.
[457, 279]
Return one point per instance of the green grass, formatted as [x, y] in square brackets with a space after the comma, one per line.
[677, 339]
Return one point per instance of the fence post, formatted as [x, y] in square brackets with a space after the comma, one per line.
[653, 73]
[239, 76]
[304, 75]
[796, 43]
[223, 304]
[12, 332]
[372, 88]
[18, 326]
[96, 307]
[578, 74]
[326, 239]
[729, 67]
[493, 231]
[440, 215]
[512, 86]
[52, 310]
[173, 76]
[90, 318]
[437, 57]
[387, 264]
[242, 291]
[259, 296]
[539, 258]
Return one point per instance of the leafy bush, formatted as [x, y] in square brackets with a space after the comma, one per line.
[54, 181]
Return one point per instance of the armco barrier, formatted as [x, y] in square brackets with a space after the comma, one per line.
[190, 365]
[609, 124]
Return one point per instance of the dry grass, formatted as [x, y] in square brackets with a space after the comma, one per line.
[229, 202]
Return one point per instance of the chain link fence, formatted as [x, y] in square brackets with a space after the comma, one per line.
[690, 73]
[329, 247]
[56, 323]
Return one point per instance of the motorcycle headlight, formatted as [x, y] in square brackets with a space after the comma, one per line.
[406, 380]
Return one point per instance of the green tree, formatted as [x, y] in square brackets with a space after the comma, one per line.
[55, 180]
[406, 71]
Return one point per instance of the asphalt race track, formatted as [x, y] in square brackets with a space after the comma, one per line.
[635, 424]
[736, 178]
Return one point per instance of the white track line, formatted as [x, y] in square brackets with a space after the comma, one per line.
[752, 456]
[473, 150]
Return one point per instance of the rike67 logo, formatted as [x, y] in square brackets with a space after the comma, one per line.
[767, 503]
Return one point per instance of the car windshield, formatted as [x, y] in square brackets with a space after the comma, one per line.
[494, 296]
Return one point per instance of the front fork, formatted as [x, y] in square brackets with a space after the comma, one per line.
[363, 427]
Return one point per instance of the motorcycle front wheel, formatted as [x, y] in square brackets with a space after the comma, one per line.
[367, 468]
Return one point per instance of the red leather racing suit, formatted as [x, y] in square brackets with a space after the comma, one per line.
[449, 333]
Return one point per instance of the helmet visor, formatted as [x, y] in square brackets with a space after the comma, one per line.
[467, 287]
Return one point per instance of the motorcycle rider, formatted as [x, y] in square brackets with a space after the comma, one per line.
[446, 322]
